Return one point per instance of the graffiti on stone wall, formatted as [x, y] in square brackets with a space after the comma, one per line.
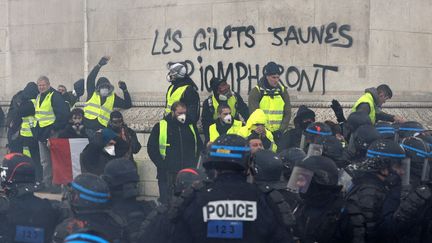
[239, 73]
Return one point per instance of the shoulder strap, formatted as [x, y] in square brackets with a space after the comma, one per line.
[184, 200]
[285, 211]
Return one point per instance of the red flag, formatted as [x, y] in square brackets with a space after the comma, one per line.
[65, 157]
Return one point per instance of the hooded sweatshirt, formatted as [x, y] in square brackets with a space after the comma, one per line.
[258, 117]
[125, 103]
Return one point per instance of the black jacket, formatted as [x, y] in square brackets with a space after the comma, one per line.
[71, 131]
[290, 139]
[29, 211]
[188, 219]
[190, 98]
[208, 111]
[181, 152]
[111, 226]
[129, 136]
[125, 103]
[94, 158]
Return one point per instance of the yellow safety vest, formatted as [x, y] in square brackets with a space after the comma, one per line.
[232, 101]
[367, 98]
[44, 112]
[93, 108]
[163, 137]
[273, 108]
[174, 97]
[27, 124]
[214, 134]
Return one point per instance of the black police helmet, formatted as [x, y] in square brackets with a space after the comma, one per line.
[316, 131]
[324, 170]
[86, 235]
[409, 128]
[185, 178]
[289, 159]
[17, 168]
[416, 149]
[364, 136]
[228, 152]
[332, 148]
[381, 154]
[267, 166]
[427, 138]
[386, 129]
[385, 148]
[120, 171]
[88, 191]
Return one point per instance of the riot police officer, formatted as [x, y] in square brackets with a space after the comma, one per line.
[122, 177]
[318, 214]
[373, 211]
[89, 198]
[24, 217]
[228, 208]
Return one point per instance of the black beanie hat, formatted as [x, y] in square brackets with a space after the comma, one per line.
[271, 68]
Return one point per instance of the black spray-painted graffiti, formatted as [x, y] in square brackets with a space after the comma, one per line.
[236, 73]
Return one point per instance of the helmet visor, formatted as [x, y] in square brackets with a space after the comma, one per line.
[300, 180]
[406, 170]
[314, 150]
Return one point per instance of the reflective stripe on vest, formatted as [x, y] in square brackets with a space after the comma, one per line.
[367, 98]
[273, 108]
[94, 110]
[163, 137]
[44, 113]
[232, 101]
[26, 151]
[214, 134]
[174, 97]
[27, 124]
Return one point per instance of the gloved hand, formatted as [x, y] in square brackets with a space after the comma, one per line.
[337, 108]
[122, 85]
[104, 60]
[79, 88]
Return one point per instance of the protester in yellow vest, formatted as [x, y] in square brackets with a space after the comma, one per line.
[225, 124]
[182, 89]
[257, 124]
[101, 100]
[222, 94]
[51, 114]
[372, 100]
[25, 114]
[271, 96]
[173, 145]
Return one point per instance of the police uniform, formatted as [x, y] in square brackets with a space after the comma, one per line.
[228, 208]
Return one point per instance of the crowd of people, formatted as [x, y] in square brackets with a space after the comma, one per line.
[364, 178]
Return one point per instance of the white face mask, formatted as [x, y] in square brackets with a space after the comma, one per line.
[104, 92]
[227, 119]
[182, 118]
[223, 97]
[110, 149]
